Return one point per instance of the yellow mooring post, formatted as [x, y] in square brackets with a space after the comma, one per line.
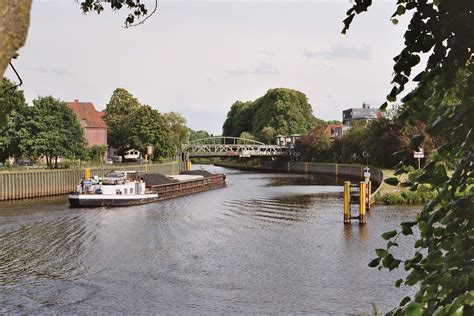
[369, 193]
[347, 202]
[362, 202]
[189, 166]
[87, 173]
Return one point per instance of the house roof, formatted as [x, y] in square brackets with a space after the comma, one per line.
[87, 112]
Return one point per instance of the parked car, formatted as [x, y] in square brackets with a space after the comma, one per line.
[24, 162]
[116, 177]
[109, 161]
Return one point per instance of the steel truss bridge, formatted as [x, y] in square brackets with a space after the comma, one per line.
[230, 147]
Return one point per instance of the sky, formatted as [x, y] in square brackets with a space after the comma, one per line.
[197, 58]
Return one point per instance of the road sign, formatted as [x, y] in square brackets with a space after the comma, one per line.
[419, 154]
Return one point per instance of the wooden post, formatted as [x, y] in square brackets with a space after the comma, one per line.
[347, 201]
[362, 202]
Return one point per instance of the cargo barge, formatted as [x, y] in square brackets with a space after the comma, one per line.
[130, 188]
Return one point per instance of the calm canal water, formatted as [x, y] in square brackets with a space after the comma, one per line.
[267, 243]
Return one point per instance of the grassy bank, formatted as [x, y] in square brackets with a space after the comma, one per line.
[395, 194]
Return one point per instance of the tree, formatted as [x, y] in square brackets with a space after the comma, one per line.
[11, 118]
[96, 152]
[147, 127]
[179, 133]
[315, 147]
[121, 106]
[239, 119]
[52, 130]
[267, 135]
[195, 135]
[442, 268]
[279, 111]
[286, 110]
[245, 135]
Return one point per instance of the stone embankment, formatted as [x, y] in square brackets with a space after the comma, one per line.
[30, 183]
[354, 172]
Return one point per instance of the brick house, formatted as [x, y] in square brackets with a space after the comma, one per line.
[95, 130]
[331, 131]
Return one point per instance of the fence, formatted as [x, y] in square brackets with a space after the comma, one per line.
[36, 183]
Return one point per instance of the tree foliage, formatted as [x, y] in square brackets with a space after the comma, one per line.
[279, 111]
[195, 135]
[52, 130]
[179, 133]
[147, 127]
[117, 117]
[442, 266]
[11, 119]
[131, 125]
[137, 8]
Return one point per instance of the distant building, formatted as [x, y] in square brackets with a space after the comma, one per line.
[349, 116]
[331, 131]
[95, 130]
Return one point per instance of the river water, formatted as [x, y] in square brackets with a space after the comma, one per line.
[267, 243]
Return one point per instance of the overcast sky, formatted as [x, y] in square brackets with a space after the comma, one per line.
[197, 58]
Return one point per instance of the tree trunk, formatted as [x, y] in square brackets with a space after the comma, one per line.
[56, 162]
[14, 24]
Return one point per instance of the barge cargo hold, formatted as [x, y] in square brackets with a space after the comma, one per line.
[150, 188]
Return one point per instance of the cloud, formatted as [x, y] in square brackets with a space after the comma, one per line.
[49, 71]
[342, 51]
[265, 69]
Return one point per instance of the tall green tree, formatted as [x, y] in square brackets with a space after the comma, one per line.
[13, 110]
[147, 127]
[179, 133]
[239, 119]
[52, 130]
[286, 111]
[121, 106]
[442, 266]
[279, 111]
[195, 135]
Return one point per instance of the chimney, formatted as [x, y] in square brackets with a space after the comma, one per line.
[365, 105]
[77, 100]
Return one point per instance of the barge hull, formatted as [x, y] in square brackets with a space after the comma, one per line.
[76, 200]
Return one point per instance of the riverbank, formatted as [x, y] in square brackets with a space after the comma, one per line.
[382, 192]
[31, 183]
[343, 171]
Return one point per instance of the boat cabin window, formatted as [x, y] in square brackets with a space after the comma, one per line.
[125, 191]
[131, 191]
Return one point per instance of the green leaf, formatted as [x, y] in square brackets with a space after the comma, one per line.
[398, 282]
[374, 262]
[404, 301]
[381, 252]
[414, 309]
[391, 181]
[389, 234]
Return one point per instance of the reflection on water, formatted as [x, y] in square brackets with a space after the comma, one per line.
[267, 243]
[291, 179]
